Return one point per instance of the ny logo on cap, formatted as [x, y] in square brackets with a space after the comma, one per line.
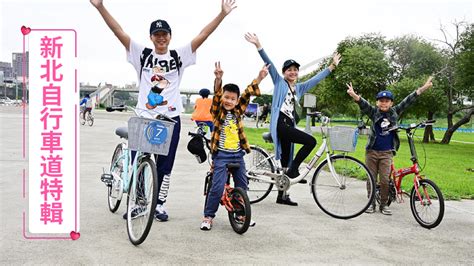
[158, 24]
[384, 94]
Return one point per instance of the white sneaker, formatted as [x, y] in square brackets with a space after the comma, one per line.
[160, 213]
[206, 224]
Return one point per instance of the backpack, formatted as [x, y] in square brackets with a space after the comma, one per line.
[147, 51]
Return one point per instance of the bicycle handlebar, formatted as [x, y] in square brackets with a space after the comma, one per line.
[139, 111]
[413, 125]
[202, 137]
[324, 119]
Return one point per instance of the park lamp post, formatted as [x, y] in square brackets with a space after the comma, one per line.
[309, 102]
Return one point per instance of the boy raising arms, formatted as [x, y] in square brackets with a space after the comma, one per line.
[382, 144]
[228, 142]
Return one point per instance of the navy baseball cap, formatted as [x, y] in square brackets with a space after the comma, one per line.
[385, 94]
[159, 25]
[288, 63]
[204, 92]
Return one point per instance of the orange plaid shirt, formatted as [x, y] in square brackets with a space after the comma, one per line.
[219, 113]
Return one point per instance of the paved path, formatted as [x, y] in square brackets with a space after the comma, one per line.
[283, 235]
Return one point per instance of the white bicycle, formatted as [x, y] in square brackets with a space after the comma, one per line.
[342, 186]
[133, 171]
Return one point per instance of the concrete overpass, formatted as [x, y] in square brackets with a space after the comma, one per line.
[104, 94]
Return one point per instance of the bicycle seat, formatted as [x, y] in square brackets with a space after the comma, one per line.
[122, 132]
[233, 165]
[267, 136]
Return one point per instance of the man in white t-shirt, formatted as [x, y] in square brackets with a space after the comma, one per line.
[159, 71]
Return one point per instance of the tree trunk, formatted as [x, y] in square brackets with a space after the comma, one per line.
[429, 135]
[449, 133]
[450, 119]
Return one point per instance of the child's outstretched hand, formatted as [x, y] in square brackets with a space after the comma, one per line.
[263, 73]
[351, 92]
[335, 61]
[428, 84]
[218, 72]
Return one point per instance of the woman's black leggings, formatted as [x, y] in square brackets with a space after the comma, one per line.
[288, 134]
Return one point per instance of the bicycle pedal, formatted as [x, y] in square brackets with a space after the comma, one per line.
[107, 179]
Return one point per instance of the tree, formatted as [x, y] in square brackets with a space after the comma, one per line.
[364, 63]
[459, 51]
[368, 70]
[411, 58]
[262, 99]
[465, 65]
[429, 103]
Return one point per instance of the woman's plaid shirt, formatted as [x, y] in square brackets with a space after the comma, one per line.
[219, 113]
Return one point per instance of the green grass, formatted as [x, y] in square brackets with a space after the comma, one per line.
[457, 136]
[449, 166]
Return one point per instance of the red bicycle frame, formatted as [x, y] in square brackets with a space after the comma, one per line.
[398, 174]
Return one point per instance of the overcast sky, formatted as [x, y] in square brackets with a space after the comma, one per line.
[303, 30]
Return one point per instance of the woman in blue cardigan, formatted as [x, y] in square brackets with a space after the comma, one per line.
[286, 94]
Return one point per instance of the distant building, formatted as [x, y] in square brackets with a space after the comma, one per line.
[7, 69]
[17, 64]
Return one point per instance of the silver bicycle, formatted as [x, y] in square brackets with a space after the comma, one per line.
[342, 186]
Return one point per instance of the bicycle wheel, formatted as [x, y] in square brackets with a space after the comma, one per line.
[207, 187]
[83, 121]
[241, 215]
[428, 207]
[258, 159]
[90, 119]
[114, 193]
[142, 198]
[346, 194]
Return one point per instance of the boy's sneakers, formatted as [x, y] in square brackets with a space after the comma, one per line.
[160, 213]
[371, 209]
[384, 209]
[206, 224]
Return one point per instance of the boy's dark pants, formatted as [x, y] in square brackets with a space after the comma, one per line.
[221, 159]
[379, 163]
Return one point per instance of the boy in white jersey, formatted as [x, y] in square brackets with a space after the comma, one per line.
[171, 65]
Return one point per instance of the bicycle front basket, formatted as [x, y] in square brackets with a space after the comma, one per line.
[150, 135]
[343, 138]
